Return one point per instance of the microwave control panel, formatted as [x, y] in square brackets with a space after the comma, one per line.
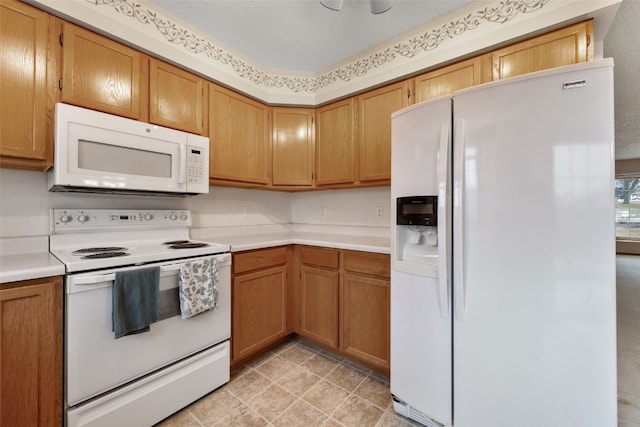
[195, 166]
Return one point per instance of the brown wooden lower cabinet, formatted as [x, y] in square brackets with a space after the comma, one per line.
[364, 318]
[319, 304]
[259, 305]
[345, 301]
[339, 299]
[31, 353]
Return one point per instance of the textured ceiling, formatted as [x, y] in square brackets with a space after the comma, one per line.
[302, 35]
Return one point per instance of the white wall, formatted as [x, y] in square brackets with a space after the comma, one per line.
[25, 204]
[357, 207]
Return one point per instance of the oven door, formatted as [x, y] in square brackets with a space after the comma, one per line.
[96, 362]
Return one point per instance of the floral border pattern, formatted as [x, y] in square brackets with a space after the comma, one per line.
[505, 11]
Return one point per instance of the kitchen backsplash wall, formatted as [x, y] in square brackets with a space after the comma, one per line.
[355, 207]
[25, 204]
[236, 206]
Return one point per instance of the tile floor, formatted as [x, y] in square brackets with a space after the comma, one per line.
[296, 384]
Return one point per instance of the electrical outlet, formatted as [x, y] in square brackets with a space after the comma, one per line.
[379, 212]
[323, 212]
[247, 212]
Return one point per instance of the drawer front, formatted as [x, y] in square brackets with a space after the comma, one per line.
[262, 258]
[322, 257]
[373, 264]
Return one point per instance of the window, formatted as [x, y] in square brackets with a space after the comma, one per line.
[628, 208]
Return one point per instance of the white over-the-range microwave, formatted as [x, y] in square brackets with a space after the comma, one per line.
[103, 153]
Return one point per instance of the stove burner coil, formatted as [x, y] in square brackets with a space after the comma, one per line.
[176, 242]
[94, 250]
[105, 255]
[188, 245]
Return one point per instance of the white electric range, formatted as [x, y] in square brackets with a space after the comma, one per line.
[137, 379]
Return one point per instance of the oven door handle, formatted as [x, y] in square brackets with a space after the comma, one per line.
[102, 278]
[90, 280]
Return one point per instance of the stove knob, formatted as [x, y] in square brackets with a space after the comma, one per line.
[65, 218]
[173, 217]
[183, 217]
[83, 218]
[148, 217]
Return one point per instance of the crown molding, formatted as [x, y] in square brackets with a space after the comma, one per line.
[480, 25]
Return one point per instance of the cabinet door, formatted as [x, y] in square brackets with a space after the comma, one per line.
[31, 353]
[335, 143]
[446, 80]
[293, 146]
[365, 319]
[374, 130]
[239, 138]
[103, 75]
[563, 47]
[259, 310]
[177, 98]
[319, 304]
[26, 57]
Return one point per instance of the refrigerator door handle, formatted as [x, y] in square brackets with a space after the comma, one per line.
[458, 211]
[443, 241]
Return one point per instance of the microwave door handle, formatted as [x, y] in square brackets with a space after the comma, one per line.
[182, 164]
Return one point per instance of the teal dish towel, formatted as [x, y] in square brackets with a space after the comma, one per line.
[136, 300]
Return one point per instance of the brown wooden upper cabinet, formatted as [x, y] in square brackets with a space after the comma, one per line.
[103, 75]
[566, 46]
[177, 98]
[239, 138]
[293, 147]
[27, 84]
[335, 143]
[374, 129]
[446, 80]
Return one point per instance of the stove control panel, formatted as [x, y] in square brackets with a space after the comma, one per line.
[73, 219]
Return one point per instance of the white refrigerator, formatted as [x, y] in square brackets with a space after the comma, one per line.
[503, 313]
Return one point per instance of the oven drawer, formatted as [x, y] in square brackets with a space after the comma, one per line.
[157, 396]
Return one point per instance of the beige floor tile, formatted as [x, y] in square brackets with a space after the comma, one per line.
[326, 396]
[259, 360]
[183, 418]
[331, 423]
[242, 417]
[345, 377]
[275, 368]
[320, 364]
[215, 406]
[272, 402]
[297, 353]
[300, 414]
[248, 385]
[357, 412]
[299, 380]
[375, 391]
[391, 420]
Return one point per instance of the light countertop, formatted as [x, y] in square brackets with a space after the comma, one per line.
[26, 258]
[366, 240]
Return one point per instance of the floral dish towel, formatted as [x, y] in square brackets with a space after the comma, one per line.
[198, 288]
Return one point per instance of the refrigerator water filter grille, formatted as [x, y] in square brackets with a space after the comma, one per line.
[406, 410]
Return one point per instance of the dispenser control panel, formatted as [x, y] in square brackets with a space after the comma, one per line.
[417, 210]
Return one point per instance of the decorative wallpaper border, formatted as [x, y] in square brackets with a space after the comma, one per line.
[417, 45]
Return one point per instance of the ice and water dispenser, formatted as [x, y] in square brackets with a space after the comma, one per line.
[417, 229]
